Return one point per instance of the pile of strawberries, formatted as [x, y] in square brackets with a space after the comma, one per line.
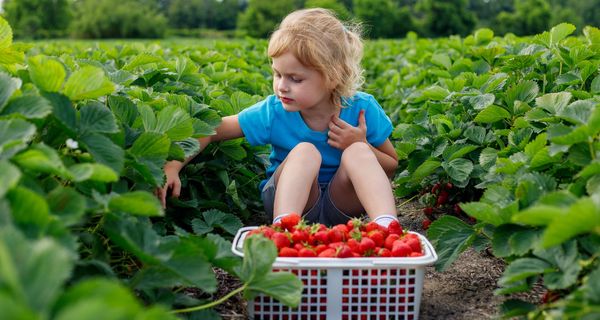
[357, 238]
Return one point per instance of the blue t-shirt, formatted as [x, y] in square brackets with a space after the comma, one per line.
[267, 122]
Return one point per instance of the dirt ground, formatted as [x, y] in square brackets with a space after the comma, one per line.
[464, 291]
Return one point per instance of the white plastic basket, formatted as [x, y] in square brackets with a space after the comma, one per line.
[349, 288]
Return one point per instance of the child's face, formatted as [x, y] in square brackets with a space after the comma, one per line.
[299, 88]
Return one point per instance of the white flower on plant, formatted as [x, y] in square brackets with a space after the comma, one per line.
[72, 144]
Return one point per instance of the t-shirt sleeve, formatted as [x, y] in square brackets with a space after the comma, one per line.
[379, 125]
[256, 121]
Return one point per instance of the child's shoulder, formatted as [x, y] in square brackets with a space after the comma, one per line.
[362, 99]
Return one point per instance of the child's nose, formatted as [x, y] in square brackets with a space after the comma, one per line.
[282, 86]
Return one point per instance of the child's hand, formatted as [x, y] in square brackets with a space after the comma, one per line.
[342, 134]
[173, 182]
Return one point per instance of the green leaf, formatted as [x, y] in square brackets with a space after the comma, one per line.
[30, 211]
[151, 145]
[124, 109]
[594, 87]
[88, 83]
[259, 255]
[459, 169]
[176, 123]
[476, 134]
[441, 60]
[512, 308]
[283, 286]
[9, 175]
[583, 216]
[42, 266]
[46, 73]
[92, 297]
[67, 204]
[539, 215]
[524, 91]
[424, 170]
[41, 158]
[95, 117]
[435, 93]
[559, 32]
[8, 86]
[484, 212]
[483, 36]
[14, 136]
[215, 218]
[62, 110]
[137, 236]
[450, 237]
[104, 151]
[592, 286]
[554, 102]
[578, 112]
[524, 268]
[190, 146]
[492, 114]
[487, 158]
[6, 35]
[93, 171]
[137, 203]
[566, 266]
[233, 149]
[482, 101]
[140, 60]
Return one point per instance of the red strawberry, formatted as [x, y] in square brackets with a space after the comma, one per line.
[367, 246]
[288, 252]
[299, 236]
[428, 211]
[389, 241]
[335, 235]
[320, 248]
[413, 243]
[371, 226]
[354, 245]
[321, 237]
[384, 252]
[280, 239]
[327, 253]
[354, 223]
[426, 224]
[307, 253]
[377, 237]
[344, 251]
[400, 249]
[289, 221]
[394, 227]
[442, 198]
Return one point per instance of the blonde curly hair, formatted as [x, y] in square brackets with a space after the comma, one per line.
[320, 41]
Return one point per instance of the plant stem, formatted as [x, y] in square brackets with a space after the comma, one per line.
[211, 304]
[407, 201]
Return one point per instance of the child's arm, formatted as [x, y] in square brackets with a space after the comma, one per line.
[387, 157]
[228, 129]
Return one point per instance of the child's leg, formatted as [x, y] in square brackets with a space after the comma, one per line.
[296, 185]
[360, 184]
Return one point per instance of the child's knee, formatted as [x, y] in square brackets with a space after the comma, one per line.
[306, 151]
[356, 152]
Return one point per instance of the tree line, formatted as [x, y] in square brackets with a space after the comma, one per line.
[257, 18]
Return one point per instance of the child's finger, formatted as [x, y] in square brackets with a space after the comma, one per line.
[362, 122]
[339, 122]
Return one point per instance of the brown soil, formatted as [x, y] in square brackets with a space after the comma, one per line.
[464, 291]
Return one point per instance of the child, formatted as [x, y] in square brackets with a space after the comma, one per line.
[331, 158]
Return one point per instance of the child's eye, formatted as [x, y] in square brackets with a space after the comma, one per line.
[296, 80]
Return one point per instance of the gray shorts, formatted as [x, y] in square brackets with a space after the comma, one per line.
[324, 211]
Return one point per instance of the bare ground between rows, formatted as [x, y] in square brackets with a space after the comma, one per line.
[465, 290]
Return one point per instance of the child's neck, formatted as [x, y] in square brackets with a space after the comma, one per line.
[318, 120]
